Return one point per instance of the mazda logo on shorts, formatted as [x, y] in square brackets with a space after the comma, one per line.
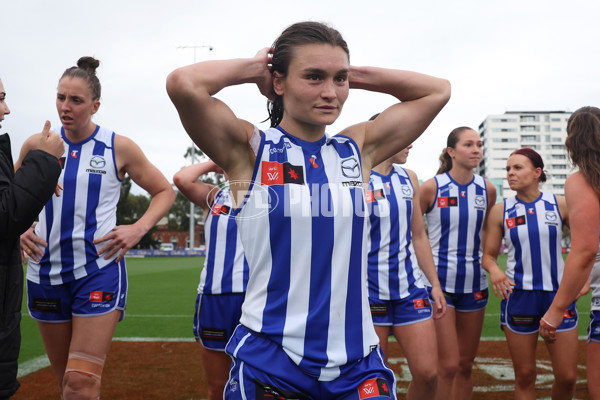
[97, 162]
[351, 168]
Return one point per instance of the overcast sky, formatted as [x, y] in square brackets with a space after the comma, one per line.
[499, 56]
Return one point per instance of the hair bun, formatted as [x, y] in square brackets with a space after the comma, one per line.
[88, 63]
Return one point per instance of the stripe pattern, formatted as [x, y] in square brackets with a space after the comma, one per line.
[86, 210]
[225, 267]
[533, 236]
[454, 226]
[393, 271]
[304, 231]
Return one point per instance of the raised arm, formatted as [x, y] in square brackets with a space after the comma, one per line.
[131, 160]
[500, 283]
[208, 121]
[421, 99]
[584, 218]
[196, 191]
[423, 250]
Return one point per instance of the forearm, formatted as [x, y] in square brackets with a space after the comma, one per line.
[404, 85]
[576, 273]
[159, 206]
[425, 260]
[212, 76]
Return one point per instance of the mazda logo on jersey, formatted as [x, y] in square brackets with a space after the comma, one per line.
[551, 216]
[97, 162]
[406, 190]
[479, 200]
[351, 168]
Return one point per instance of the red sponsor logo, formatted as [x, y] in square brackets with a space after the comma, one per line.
[369, 196]
[515, 221]
[478, 295]
[419, 303]
[442, 202]
[96, 297]
[530, 211]
[100, 297]
[274, 173]
[375, 387]
[220, 209]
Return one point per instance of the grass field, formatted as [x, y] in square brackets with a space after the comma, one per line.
[161, 298]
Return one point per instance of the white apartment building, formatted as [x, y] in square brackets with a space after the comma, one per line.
[544, 131]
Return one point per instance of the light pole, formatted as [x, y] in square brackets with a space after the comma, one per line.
[192, 205]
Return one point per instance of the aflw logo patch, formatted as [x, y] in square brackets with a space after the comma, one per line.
[376, 387]
[515, 221]
[372, 195]
[274, 173]
[101, 297]
[221, 209]
[443, 202]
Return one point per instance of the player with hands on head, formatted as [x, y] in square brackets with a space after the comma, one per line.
[76, 277]
[582, 193]
[23, 194]
[301, 207]
[225, 274]
[399, 254]
[456, 203]
[531, 225]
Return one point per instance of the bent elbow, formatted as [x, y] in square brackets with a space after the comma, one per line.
[176, 83]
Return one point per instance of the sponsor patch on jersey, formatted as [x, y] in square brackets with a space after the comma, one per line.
[101, 297]
[52, 306]
[421, 303]
[596, 301]
[97, 163]
[515, 221]
[274, 173]
[220, 209]
[569, 314]
[214, 334]
[373, 388]
[62, 161]
[375, 195]
[406, 191]
[443, 202]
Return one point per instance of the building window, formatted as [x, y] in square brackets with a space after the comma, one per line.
[528, 118]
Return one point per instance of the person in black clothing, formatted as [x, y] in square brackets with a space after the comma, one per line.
[22, 196]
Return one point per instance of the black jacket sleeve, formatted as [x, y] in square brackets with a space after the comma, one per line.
[22, 199]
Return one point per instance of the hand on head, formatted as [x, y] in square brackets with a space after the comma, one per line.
[51, 142]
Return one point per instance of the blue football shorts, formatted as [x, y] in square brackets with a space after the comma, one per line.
[261, 370]
[414, 308]
[523, 309]
[216, 317]
[97, 294]
[465, 302]
[594, 327]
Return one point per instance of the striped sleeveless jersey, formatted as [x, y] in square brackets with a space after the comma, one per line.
[225, 267]
[304, 231]
[533, 235]
[393, 269]
[86, 210]
[454, 224]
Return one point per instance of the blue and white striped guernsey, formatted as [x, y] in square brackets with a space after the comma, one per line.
[393, 269]
[225, 267]
[533, 235]
[304, 231]
[454, 224]
[86, 210]
[595, 283]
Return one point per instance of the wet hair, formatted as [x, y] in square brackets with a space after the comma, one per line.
[535, 159]
[453, 138]
[583, 143]
[86, 70]
[298, 34]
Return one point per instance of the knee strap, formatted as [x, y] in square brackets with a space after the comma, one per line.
[85, 364]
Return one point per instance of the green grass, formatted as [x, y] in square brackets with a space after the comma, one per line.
[161, 299]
